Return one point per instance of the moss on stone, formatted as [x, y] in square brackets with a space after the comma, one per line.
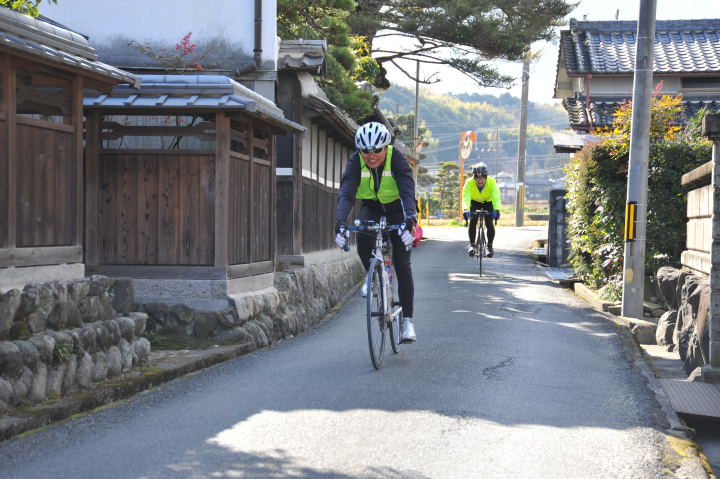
[174, 341]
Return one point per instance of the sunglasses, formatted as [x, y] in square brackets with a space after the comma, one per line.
[371, 150]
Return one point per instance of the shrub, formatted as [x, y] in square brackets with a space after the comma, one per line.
[597, 191]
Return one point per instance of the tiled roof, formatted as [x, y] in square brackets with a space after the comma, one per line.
[31, 37]
[304, 55]
[567, 141]
[601, 109]
[681, 46]
[194, 91]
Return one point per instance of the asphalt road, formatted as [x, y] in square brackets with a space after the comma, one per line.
[511, 376]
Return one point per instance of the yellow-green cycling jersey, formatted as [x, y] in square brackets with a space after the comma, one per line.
[490, 192]
[387, 191]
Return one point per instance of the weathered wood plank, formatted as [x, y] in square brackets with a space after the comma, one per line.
[92, 204]
[76, 219]
[147, 210]
[168, 221]
[45, 125]
[159, 272]
[252, 269]
[40, 256]
[7, 153]
[222, 172]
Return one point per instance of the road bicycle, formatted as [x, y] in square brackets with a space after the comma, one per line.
[383, 313]
[479, 248]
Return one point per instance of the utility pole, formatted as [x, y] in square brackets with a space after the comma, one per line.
[415, 127]
[522, 144]
[637, 183]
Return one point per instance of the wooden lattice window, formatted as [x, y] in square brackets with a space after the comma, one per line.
[158, 132]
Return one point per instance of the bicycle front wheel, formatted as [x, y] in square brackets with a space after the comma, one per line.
[376, 325]
[396, 323]
[480, 250]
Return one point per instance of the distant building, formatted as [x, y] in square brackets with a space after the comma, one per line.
[597, 61]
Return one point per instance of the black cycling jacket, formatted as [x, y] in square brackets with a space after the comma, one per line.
[403, 175]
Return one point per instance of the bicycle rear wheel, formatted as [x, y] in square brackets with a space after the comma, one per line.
[376, 324]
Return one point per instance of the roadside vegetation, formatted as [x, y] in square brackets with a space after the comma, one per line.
[597, 185]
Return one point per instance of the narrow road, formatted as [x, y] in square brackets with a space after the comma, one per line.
[511, 376]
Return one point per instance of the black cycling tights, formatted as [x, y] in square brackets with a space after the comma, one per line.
[401, 257]
[472, 227]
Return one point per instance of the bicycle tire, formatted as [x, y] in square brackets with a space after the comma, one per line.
[480, 249]
[376, 324]
[396, 322]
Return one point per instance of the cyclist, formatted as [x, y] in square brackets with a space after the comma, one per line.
[381, 178]
[482, 193]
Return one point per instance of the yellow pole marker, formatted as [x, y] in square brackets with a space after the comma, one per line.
[630, 220]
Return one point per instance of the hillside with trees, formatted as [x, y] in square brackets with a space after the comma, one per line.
[496, 121]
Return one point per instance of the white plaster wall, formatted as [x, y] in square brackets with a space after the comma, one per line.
[167, 21]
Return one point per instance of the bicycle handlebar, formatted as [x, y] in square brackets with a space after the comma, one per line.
[370, 226]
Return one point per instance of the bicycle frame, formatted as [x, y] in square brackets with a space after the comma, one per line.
[380, 231]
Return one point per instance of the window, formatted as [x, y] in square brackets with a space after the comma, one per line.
[42, 96]
[158, 132]
[702, 83]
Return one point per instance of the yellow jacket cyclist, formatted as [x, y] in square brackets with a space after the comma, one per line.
[481, 193]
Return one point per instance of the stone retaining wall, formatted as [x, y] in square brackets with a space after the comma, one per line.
[60, 337]
[299, 299]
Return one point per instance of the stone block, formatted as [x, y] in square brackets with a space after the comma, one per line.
[45, 345]
[127, 327]
[29, 353]
[100, 285]
[100, 367]
[6, 391]
[205, 324]
[83, 375]
[39, 383]
[56, 373]
[114, 357]
[233, 336]
[11, 361]
[9, 305]
[122, 296]
[78, 290]
[644, 331]
[90, 309]
[140, 322]
[69, 378]
[142, 348]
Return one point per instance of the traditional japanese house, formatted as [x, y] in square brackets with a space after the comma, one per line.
[180, 187]
[43, 71]
[309, 166]
[596, 65]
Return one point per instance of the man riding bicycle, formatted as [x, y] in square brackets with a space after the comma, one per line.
[381, 178]
[481, 193]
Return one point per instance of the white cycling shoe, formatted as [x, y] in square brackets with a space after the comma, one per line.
[408, 331]
[363, 290]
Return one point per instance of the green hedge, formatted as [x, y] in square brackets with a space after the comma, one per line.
[597, 191]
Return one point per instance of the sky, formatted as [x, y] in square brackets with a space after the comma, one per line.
[542, 70]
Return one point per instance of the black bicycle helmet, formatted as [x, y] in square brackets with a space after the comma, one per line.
[480, 169]
[371, 136]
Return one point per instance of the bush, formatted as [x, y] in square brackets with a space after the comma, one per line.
[597, 191]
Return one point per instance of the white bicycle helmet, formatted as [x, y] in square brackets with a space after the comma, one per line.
[371, 136]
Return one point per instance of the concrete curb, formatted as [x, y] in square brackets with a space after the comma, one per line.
[684, 453]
